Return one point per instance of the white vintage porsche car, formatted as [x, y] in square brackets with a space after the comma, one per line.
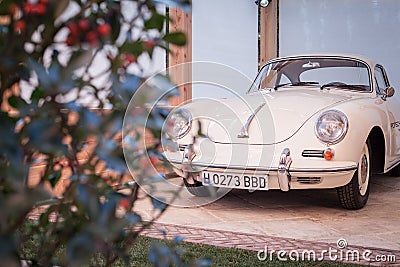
[307, 122]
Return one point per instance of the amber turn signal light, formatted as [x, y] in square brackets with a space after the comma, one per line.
[328, 154]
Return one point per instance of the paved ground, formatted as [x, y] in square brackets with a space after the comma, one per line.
[264, 245]
[298, 219]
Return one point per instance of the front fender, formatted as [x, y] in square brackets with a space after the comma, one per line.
[363, 115]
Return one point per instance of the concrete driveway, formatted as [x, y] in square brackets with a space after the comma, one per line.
[311, 215]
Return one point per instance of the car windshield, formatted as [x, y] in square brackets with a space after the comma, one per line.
[318, 72]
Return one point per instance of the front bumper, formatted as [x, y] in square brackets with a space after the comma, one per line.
[286, 174]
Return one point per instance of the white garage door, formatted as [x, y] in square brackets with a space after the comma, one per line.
[224, 32]
[366, 27]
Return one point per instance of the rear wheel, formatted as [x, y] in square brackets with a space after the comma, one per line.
[196, 188]
[354, 195]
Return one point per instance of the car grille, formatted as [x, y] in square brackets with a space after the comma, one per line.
[307, 180]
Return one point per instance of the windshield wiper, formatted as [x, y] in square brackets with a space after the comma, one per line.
[343, 85]
[295, 84]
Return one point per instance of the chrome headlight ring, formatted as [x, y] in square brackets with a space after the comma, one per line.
[178, 123]
[331, 126]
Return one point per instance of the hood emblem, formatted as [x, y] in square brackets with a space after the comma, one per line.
[244, 133]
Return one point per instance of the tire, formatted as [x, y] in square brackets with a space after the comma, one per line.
[354, 195]
[198, 189]
[395, 171]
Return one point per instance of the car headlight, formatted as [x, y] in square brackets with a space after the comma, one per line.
[178, 123]
[331, 126]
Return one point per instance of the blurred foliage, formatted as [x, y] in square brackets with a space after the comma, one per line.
[68, 69]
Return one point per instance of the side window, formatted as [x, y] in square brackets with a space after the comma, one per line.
[284, 79]
[380, 79]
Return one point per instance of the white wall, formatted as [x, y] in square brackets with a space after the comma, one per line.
[366, 27]
[224, 32]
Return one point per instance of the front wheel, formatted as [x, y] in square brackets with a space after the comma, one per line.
[354, 195]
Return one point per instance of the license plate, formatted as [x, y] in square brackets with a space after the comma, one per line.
[241, 181]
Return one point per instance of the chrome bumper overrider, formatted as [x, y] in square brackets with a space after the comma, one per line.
[283, 170]
[188, 155]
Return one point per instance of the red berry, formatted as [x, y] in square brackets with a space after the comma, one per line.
[70, 40]
[39, 9]
[19, 26]
[28, 8]
[149, 44]
[73, 29]
[92, 38]
[44, 2]
[128, 58]
[124, 203]
[104, 29]
[13, 9]
[83, 24]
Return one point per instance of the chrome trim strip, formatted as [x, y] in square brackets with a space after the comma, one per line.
[392, 165]
[305, 170]
[310, 153]
[244, 132]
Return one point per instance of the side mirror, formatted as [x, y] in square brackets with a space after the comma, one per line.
[388, 92]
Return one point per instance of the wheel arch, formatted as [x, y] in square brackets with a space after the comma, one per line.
[377, 144]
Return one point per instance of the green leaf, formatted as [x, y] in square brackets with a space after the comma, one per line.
[44, 135]
[14, 101]
[87, 197]
[80, 248]
[135, 48]
[4, 7]
[155, 22]
[54, 178]
[8, 250]
[24, 72]
[114, 18]
[158, 204]
[37, 94]
[44, 217]
[176, 38]
[41, 73]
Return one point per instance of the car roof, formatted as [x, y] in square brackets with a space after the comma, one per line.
[367, 60]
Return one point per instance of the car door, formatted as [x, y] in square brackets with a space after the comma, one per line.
[393, 111]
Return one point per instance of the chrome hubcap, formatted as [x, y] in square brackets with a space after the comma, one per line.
[363, 171]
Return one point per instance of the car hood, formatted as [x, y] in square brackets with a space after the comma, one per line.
[278, 115]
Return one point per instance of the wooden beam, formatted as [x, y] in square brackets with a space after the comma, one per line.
[181, 74]
[268, 32]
